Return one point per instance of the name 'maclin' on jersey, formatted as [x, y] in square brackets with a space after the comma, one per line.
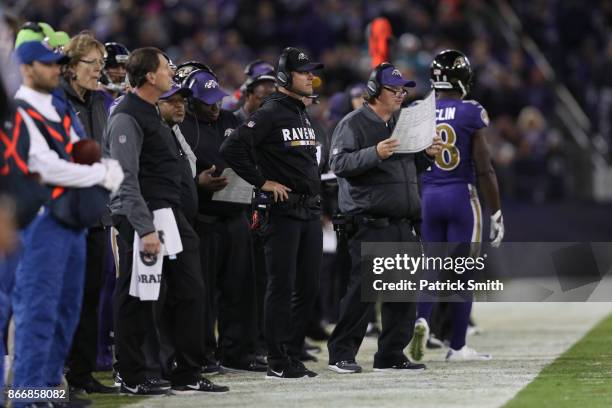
[456, 122]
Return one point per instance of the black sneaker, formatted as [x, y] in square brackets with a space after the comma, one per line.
[90, 386]
[253, 366]
[345, 367]
[141, 389]
[300, 366]
[295, 369]
[202, 385]
[406, 366]
[160, 383]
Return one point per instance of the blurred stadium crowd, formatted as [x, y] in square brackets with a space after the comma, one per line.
[530, 153]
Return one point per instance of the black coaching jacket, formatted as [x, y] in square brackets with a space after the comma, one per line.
[282, 138]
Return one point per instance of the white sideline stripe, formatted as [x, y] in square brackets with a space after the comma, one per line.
[523, 338]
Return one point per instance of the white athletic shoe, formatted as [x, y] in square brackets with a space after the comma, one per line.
[466, 354]
[416, 347]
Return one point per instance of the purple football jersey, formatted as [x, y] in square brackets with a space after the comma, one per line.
[456, 122]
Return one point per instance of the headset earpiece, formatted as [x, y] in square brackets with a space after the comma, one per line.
[373, 87]
[283, 77]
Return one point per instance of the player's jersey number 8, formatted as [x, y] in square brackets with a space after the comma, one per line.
[448, 159]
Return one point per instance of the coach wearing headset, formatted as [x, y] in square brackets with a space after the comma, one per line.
[223, 228]
[284, 170]
[379, 189]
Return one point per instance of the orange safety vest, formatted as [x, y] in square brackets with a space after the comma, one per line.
[62, 139]
[10, 151]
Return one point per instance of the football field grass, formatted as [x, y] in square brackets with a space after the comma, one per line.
[524, 338]
[580, 377]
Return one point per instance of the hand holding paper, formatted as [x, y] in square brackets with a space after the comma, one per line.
[416, 126]
[237, 190]
[386, 148]
[436, 146]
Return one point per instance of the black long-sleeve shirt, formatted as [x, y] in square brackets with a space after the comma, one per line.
[205, 140]
[282, 137]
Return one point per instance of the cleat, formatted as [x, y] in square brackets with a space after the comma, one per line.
[418, 343]
[466, 354]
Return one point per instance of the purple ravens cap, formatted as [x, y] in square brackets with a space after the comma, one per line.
[40, 51]
[176, 89]
[391, 76]
[204, 86]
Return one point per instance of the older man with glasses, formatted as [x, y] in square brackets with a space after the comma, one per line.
[379, 192]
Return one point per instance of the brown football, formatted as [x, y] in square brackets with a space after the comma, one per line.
[86, 151]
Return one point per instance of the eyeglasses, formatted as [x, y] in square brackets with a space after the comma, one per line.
[99, 62]
[174, 101]
[396, 91]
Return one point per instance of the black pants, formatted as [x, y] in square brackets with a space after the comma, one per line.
[293, 250]
[397, 318]
[226, 254]
[84, 350]
[335, 272]
[183, 309]
[261, 281]
[158, 349]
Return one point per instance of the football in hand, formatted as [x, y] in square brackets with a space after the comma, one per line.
[86, 151]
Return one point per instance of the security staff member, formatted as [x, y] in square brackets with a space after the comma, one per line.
[381, 193]
[49, 281]
[284, 143]
[223, 228]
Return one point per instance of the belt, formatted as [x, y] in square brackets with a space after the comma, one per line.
[294, 199]
[381, 222]
[208, 219]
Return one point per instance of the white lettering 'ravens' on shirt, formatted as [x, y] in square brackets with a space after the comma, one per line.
[301, 136]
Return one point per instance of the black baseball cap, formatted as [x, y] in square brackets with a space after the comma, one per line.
[299, 61]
